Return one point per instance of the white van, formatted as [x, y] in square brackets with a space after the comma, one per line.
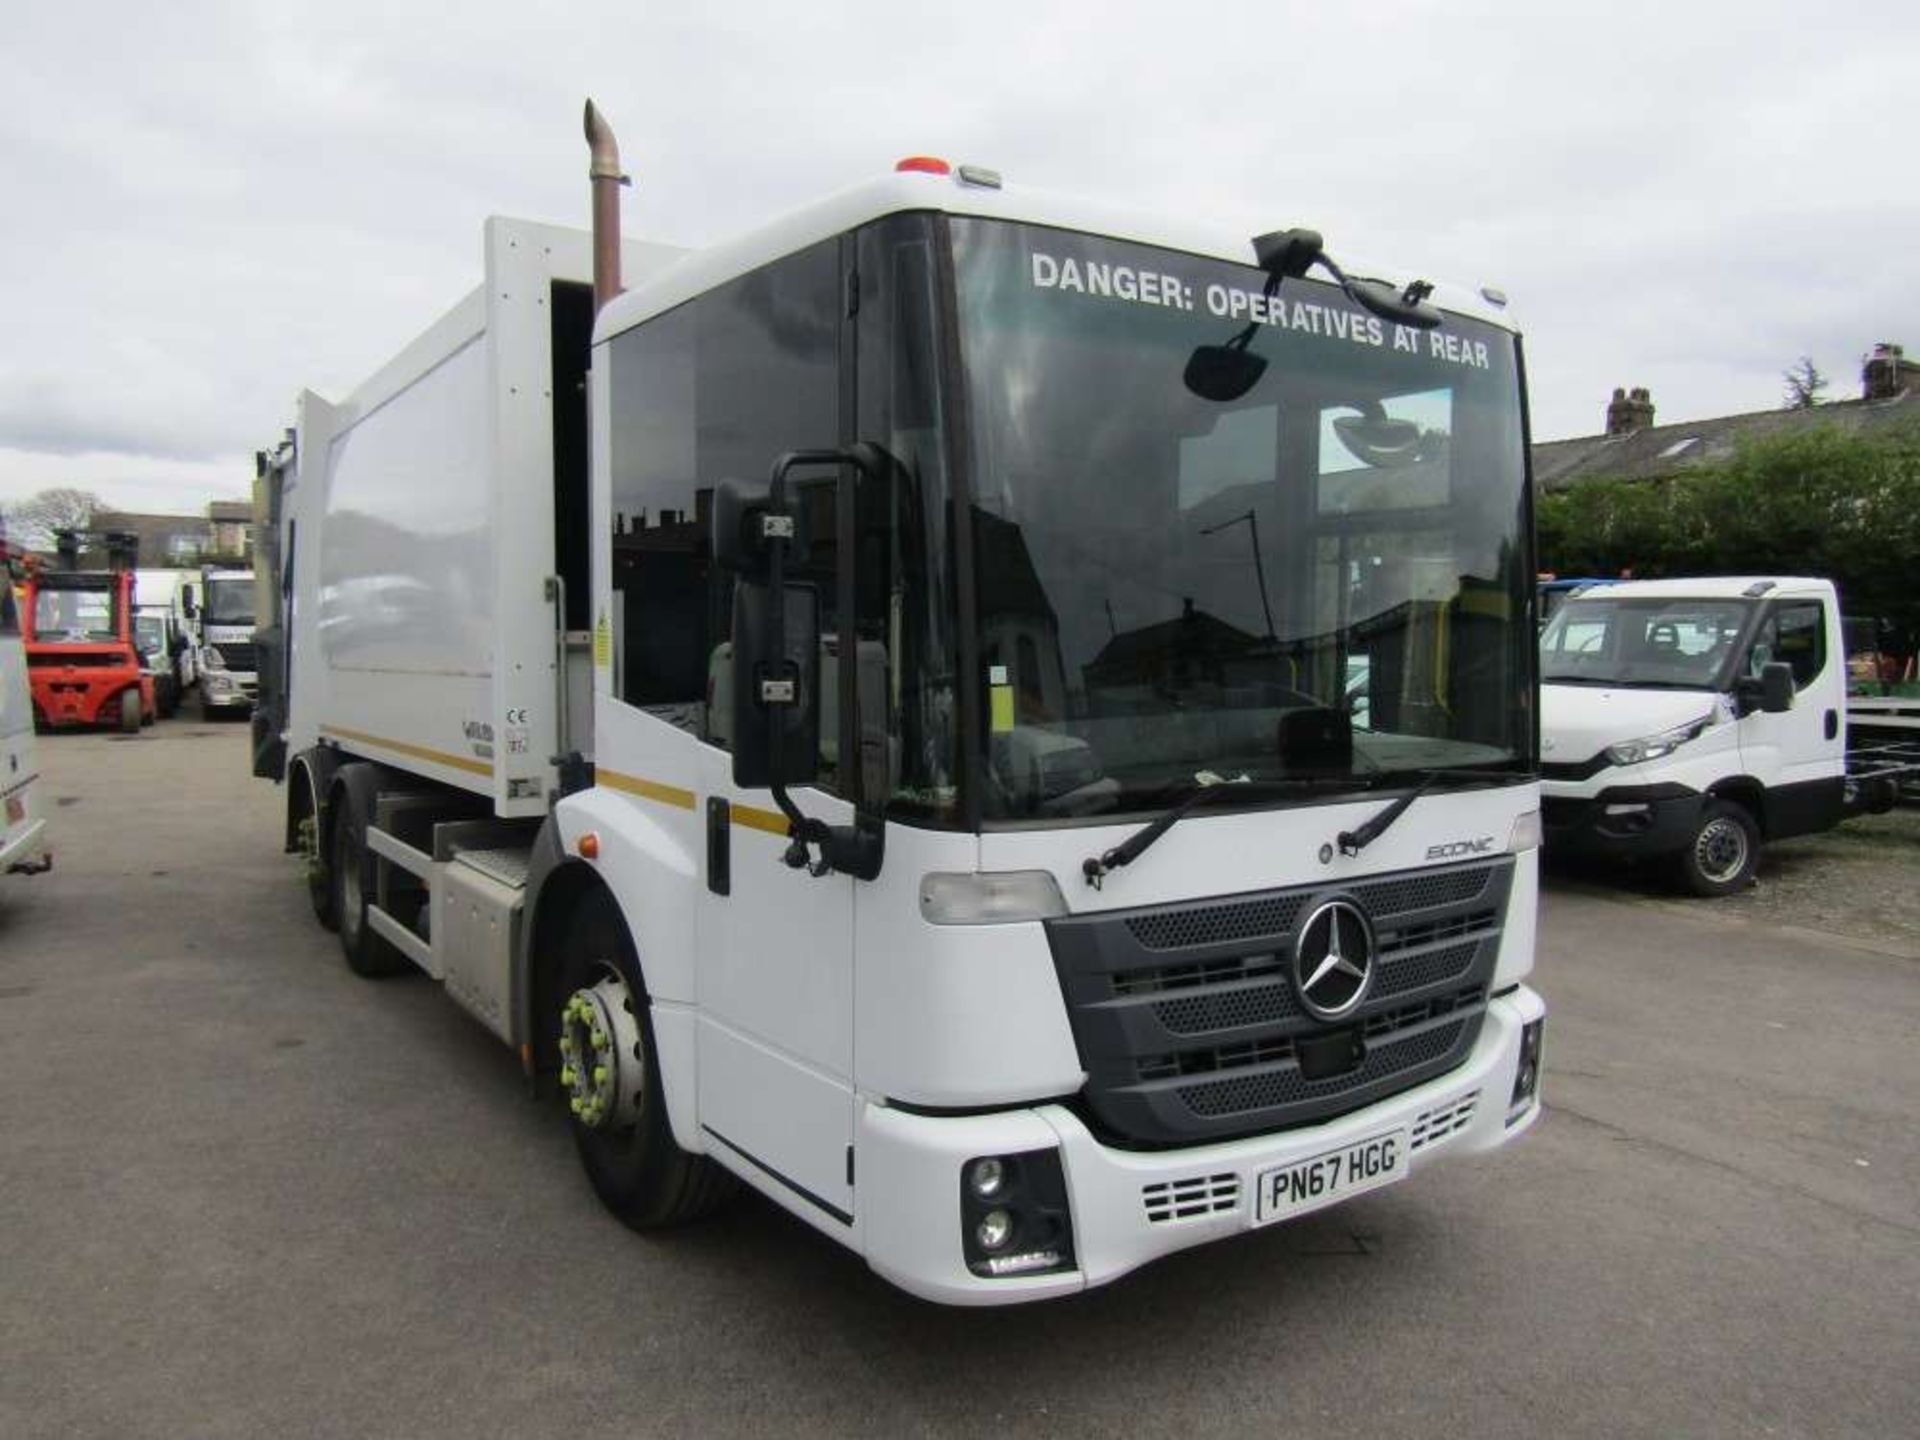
[1688, 721]
[23, 826]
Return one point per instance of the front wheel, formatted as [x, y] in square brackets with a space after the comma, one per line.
[130, 712]
[610, 1077]
[1724, 852]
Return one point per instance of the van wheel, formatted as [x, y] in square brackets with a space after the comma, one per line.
[351, 874]
[130, 712]
[1724, 852]
[610, 1078]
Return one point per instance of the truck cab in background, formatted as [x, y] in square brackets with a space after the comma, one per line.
[24, 848]
[1687, 722]
[228, 672]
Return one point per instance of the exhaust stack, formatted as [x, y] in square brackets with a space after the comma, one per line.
[607, 179]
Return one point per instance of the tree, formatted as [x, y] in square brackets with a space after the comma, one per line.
[1819, 501]
[1804, 384]
[32, 521]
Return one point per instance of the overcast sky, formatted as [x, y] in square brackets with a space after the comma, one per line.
[208, 206]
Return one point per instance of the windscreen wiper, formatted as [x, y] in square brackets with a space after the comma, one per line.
[1097, 867]
[1352, 842]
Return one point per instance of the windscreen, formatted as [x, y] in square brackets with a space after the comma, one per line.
[1676, 644]
[230, 602]
[74, 617]
[151, 631]
[1172, 582]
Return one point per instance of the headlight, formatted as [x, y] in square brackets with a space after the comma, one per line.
[991, 899]
[213, 659]
[1652, 747]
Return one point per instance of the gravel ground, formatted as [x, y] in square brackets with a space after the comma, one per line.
[1861, 880]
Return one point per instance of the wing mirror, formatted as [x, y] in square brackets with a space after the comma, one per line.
[1770, 693]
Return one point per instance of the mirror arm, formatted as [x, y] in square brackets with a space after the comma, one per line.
[857, 849]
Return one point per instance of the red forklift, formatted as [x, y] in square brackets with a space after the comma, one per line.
[81, 657]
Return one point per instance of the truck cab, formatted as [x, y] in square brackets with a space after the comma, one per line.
[228, 676]
[1687, 722]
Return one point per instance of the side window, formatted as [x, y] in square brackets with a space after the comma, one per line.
[1795, 634]
[713, 390]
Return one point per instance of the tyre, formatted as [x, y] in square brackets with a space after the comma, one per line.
[610, 1078]
[350, 869]
[130, 712]
[1724, 851]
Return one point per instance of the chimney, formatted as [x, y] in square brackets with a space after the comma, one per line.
[1887, 373]
[1629, 410]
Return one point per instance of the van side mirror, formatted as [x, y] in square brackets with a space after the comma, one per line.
[186, 601]
[1776, 687]
[774, 723]
[1770, 693]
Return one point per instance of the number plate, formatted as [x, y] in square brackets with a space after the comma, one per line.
[1288, 1190]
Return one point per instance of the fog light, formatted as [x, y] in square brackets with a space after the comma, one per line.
[1014, 1216]
[987, 1178]
[994, 1230]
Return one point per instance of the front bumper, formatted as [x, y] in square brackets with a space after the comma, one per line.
[1623, 822]
[228, 692]
[915, 1161]
[27, 851]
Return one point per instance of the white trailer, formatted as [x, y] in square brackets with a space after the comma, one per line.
[1080, 921]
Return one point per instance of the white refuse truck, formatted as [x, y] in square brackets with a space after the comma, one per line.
[1686, 722]
[870, 716]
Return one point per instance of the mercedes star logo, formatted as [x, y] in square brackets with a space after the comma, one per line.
[1333, 960]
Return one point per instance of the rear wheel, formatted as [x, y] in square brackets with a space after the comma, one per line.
[610, 1077]
[130, 711]
[1724, 852]
[351, 879]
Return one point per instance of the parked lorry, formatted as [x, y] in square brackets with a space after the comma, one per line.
[228, 675]
[24, 845]
[83, 658]
[870, 716]
[1687, 722]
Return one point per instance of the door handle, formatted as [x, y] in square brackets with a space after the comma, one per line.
[1833, 724]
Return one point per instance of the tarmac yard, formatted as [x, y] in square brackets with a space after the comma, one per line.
[244, 1193]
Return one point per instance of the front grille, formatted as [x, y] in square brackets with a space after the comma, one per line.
[1190, 1028]
[1190, 1199]
[1574, 769]
[1443, 1121]
[239, 654]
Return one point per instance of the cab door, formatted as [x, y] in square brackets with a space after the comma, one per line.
[1799, 755]
[710, 392]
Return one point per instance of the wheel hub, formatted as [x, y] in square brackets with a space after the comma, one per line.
[1721, 850]
[602, 1065]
